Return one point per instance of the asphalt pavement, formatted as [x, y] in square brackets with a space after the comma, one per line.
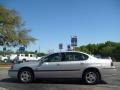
[6, 83]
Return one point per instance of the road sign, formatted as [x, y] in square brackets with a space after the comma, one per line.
[68, 48]
[4, 48]
[74, 41]
[60, 46]
[22, 49]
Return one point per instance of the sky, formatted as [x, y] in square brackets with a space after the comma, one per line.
[55, 21]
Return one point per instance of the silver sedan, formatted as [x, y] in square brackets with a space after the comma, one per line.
[69, 64]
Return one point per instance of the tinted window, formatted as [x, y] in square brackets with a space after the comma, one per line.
[54, 58]
[73, 56]
[80, 56]
[26, 55]
[22, 55]
[31, 56]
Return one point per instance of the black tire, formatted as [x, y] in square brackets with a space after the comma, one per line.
[31, 75]
[14, 61]
[95, 77]
[5, 60]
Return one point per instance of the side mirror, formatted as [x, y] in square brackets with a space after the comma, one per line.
[43, 60]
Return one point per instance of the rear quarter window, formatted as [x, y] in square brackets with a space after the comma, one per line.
[83, 56]
[74, 56]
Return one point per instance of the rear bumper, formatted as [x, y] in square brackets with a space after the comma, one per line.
[108, 72]
[12, 73]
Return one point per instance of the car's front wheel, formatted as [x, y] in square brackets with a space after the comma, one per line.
[91, 77]
[26, 76]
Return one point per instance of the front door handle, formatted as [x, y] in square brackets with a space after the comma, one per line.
[58, 64]
[82, 63]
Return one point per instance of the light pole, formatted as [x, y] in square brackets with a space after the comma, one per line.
[39, 49]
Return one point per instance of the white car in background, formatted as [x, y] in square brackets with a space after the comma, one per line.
[23, 57]
[12, 57]
[27, 57]
[4, 58]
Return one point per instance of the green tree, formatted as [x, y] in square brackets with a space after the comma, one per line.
[23, 38]
[83, 49]
[12, 32]
[116, 53]
[106, 51]
[92, 48]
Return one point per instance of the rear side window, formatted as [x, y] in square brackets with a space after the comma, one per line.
[80, 56]
[74, 56]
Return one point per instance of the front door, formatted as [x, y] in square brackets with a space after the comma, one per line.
[50, 67]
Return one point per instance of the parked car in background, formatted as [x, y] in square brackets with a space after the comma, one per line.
[19, 57]
[4, 58]
[26, 57]
[68, 64]
[12, 57]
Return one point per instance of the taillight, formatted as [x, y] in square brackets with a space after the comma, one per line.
[111, 63]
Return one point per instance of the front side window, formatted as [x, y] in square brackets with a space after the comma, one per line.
[54, 58]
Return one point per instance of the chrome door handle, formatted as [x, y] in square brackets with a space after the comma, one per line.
[58, 64]
[82, 63]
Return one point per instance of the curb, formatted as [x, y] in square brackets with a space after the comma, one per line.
[3, 68]
[1, 88]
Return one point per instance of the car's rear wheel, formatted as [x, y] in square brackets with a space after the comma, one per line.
[91, 77]
[25, 76]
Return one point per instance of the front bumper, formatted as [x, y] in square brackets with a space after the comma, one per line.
[108, 72]
[13, 73]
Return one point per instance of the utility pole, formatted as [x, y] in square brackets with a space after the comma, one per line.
[39, 49]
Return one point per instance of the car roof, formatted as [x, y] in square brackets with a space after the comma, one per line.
[70, 52]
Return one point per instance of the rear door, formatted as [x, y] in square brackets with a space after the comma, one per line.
[71, 64]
